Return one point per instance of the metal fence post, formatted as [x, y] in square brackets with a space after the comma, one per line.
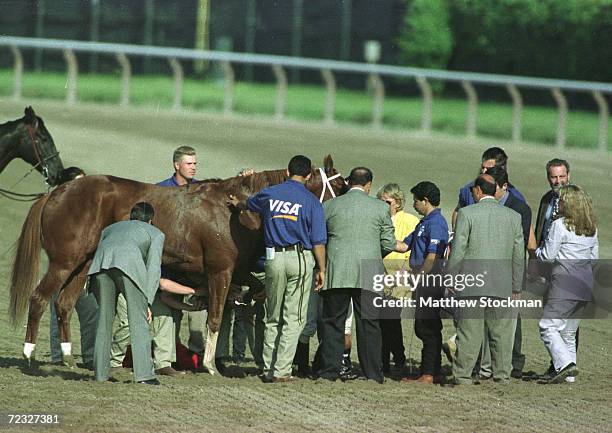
[378, 101]
[177, 71]
[228, 101]
[517, 112]
[73, 71]
[18, 71]
[562, 105]
[126, 73]
[330, 95]
[427, 103]
[281, 91]
[603, 120]
[472, 108]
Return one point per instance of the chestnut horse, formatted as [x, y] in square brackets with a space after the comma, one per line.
[207, 242]
[28, 138]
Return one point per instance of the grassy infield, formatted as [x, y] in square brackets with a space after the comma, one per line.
[306, 102]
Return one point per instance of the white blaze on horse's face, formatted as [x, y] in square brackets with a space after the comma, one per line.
[186, 168]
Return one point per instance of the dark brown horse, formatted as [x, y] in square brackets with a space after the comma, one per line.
[205, 239]
[28, 138]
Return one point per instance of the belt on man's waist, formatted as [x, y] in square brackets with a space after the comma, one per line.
[294, 247]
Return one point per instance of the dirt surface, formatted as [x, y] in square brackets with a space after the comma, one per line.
[138, 144]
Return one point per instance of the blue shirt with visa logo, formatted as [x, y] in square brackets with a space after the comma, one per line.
[429, 236]
[290, 214]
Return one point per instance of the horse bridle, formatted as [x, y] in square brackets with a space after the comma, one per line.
[42, 160]
[326, 181]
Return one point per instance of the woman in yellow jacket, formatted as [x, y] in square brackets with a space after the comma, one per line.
[391, 325]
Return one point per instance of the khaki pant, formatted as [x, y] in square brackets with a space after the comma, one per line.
[288, 281]
[164, 334]
[498, 324]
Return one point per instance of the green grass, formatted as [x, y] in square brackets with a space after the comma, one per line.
[306, 102]
[138, 144]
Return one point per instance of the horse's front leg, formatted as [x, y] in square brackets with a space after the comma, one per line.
[218, 287]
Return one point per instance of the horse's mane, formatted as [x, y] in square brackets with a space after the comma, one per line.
[9, 126]
[254, 182]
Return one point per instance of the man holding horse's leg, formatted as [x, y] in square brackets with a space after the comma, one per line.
[184, 162]
[127, 260]
[294, 232]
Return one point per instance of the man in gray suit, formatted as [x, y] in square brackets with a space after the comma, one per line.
[488, 242]
[128, 260]
[358, 228]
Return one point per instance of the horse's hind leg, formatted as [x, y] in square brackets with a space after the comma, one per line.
[51, 282]
[64, 306]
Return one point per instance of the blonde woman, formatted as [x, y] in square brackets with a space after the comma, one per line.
[571, 246]
[404, 224]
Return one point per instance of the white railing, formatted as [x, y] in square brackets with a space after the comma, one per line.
[327, 68]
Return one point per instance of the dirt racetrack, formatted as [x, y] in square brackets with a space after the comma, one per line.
[138, 144]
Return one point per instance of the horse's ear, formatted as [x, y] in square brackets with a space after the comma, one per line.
[328, 164]
[30, 116]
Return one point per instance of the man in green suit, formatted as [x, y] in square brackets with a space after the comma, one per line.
[127, 260]
[488, 242]
[359, 227]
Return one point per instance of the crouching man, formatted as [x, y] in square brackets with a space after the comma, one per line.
[127, 261]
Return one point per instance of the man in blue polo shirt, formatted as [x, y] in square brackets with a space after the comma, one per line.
[427, 244]
[184, 161]
[492, 157]
[294, 225]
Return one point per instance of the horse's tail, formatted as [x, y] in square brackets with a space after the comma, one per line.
[27, 259]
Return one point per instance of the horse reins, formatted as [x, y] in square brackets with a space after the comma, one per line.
[39, 155]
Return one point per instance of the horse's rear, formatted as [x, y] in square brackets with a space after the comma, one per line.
[68, 223]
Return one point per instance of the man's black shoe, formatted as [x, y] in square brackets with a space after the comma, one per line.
[153, 381]
[549, 374]
[86, 365]
[349, 375]
[568, 371]
[516, 374]
[266, 379]
[477, 378]
[530, 375]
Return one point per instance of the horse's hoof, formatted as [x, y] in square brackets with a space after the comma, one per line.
[31, 363]
[68, 361]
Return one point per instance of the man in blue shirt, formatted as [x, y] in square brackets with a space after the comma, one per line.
[294, 231]
[163, 324]
[427, 244]
[492, 157]
[184, 161]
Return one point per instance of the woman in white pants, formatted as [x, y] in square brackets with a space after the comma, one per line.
[571, 247]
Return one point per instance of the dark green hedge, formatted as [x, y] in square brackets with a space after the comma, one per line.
[550, 38]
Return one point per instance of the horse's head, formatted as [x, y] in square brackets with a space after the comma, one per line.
[326, 180]
[38, 148]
